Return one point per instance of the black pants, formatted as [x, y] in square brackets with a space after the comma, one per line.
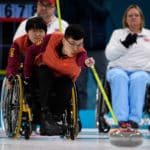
[54, 92]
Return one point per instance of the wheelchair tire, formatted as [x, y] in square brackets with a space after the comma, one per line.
[11, 105]
[73, 116]
[4, 92]
[101, 109]
[27, 130]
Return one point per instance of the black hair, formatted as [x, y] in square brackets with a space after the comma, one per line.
[36, 23]
[74, 31]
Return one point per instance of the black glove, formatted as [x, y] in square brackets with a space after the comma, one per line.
[130, 39]
[133, 39]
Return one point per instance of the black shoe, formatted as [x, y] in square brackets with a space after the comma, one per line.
[49, 125]
[51, 129]
[133, 124]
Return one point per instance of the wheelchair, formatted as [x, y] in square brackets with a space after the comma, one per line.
[15, 112]
[101, 108]
[16, 115]
[71, 118]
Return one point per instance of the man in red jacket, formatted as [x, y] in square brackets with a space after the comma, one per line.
[60, 62]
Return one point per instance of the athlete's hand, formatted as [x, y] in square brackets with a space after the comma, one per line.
[89, 62]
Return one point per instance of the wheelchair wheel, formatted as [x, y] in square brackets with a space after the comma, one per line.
[101, 109]
[11, 107]
[4, 92]
[72, 116]
[26, 129]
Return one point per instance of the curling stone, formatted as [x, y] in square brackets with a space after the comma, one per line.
[125, 137]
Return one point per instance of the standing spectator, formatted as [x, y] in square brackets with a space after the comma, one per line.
[45, 9]
[128, 53]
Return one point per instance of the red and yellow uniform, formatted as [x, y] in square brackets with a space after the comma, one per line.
[44, 53]
[18, 48]
[69, 66]
[48, 54]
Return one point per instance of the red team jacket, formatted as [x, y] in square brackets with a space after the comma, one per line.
[44, 53]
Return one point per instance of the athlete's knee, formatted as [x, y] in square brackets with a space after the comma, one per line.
[116, 73]
[142, 76]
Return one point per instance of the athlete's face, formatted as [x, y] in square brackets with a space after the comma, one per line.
[36, 35]
[71, 46]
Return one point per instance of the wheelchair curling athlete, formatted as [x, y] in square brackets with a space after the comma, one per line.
[59, 64]
[36, 30]
[128, 53]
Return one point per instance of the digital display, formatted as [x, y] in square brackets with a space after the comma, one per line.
[17, 10]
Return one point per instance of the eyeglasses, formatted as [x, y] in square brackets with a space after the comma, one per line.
[48, 5]
[74, 44]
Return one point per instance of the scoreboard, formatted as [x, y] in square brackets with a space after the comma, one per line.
[10, 11]
[17, 10]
